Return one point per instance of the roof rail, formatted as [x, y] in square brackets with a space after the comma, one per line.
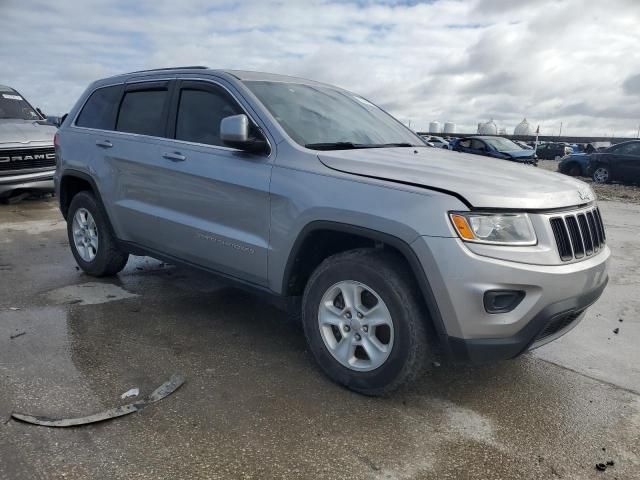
[199, 67]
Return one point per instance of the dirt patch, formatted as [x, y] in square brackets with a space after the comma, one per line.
[609, 191]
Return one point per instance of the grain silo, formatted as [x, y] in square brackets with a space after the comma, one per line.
[488, 128]
[434, 127]
[449, 128]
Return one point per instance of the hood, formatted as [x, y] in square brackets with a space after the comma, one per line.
[483, 182]
[520, 153]
[24, 132]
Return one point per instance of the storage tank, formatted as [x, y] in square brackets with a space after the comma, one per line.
[449, 127]
[488, 128]
[434, 127]
[523, 128]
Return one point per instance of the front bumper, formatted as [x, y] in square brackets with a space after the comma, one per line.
[556, 297]
[35, 182]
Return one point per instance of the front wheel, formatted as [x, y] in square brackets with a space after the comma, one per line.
[601, 175]
[364, 321]
[574, 171]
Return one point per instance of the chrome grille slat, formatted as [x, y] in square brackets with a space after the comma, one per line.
[578, 234]
[35, 158]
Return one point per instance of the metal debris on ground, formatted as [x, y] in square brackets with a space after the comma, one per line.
[161, 392]
[616, 330]
[16, 335]
[14, 309]
[601, 467]
[134, 392]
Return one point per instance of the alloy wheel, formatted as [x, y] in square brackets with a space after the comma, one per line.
[356, 326]
[85, 235]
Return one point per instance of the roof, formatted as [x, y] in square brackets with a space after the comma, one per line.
[242, 75]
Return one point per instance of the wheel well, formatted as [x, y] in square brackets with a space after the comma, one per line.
[71, 185]
[321, 244]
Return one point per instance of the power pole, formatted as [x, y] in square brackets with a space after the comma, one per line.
[560, 134]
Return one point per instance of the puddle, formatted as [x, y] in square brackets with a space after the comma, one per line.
[91, 293]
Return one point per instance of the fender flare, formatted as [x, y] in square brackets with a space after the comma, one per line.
[399, 244]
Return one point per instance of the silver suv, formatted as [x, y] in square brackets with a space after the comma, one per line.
[27, 158]
[388, 251]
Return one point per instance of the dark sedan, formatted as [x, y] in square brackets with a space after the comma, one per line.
[619, 162]
[496, 147]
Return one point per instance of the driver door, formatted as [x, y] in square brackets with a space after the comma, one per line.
[211, 202]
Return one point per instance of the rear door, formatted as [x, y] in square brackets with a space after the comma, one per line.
[132, 159]
[208, 204]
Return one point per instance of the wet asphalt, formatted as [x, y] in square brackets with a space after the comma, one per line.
[254, 405]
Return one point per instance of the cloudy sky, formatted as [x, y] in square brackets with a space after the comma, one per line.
[575, 61]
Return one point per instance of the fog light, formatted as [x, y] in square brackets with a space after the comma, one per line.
[502, 301]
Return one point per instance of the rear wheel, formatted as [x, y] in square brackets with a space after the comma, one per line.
[90, 238]
[601, 174]
[364, 321]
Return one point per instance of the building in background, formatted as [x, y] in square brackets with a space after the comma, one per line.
[523, 128]
[449, 128]
[488, 128]
[434, 127]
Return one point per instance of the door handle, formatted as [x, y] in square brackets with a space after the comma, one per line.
[104, 143]
[174, 156]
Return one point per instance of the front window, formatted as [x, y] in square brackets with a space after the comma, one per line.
[502, 144]
[12, 105]
[324, 118]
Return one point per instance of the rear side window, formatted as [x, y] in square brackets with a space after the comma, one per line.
[141, 112]
[200, 113]
[99, 111]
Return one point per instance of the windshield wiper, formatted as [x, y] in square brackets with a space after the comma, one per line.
[335, 146]
[351, 145]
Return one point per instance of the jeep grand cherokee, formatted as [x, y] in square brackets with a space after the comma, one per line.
[315, 195]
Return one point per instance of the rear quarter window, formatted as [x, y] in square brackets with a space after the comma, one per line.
[100, 109]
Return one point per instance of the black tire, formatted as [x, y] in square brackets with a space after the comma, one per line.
[601, 174]
[109, 259]
[386, 273]
[574, 170]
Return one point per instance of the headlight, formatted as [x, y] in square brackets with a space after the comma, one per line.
[494, 228]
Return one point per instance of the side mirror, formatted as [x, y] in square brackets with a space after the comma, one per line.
[234, 132]
[55, 121]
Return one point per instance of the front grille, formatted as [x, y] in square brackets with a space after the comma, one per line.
[578, 234]
[557, 324]
[27, 158]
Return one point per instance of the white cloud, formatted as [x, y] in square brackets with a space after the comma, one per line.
[570, 61]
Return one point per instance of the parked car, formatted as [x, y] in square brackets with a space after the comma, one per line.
[621, 163]
[522, 144]
[553, 151]
[575, 165]
[390, 250]
[434, 141]
[496, 147]
[27, 157]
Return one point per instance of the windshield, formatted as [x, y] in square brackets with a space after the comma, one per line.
[12, 105]
[322, 117]
[502, 144]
